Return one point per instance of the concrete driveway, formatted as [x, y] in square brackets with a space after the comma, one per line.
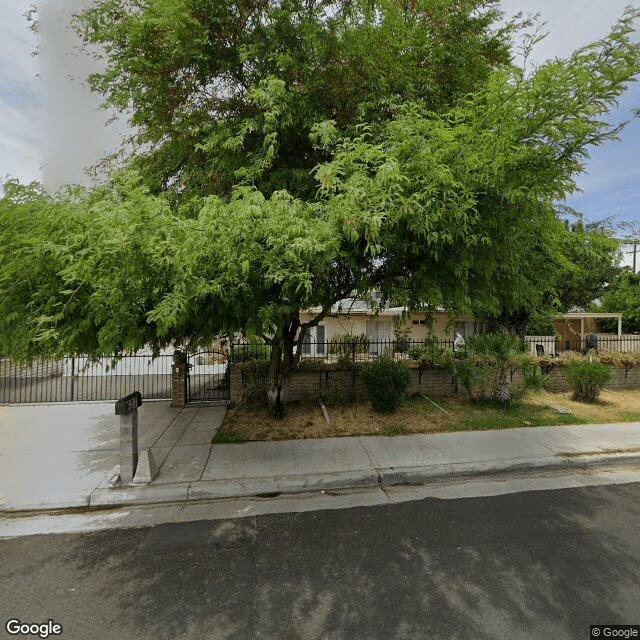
[56, 454]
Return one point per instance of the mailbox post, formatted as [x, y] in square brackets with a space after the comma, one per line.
[127, 409]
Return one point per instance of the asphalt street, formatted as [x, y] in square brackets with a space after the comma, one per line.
[532, 565]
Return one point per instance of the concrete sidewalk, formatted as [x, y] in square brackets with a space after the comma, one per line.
[63, 456]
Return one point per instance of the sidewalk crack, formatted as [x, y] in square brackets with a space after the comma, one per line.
[373, 466]
[524, 435]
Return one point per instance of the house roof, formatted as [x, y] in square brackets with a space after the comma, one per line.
[355, 306]
[577, 315]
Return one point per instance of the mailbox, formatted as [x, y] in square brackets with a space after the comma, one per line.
[128, 404]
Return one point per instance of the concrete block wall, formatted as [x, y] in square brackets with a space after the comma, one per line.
[307, 384]
[622, 379]
[433, 382]
[310, 384]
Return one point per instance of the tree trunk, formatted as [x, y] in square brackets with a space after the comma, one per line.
[282, 365]
[503, 393]
[279, 381]
[514, 323]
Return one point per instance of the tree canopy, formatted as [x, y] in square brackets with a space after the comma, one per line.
[293, 153]
[227, 92]
[551, 266]
[623, 296]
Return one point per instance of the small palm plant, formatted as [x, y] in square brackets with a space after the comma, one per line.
[489, 360]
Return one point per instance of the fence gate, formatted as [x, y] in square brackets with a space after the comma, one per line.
[209, 376]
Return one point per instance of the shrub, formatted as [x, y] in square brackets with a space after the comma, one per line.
[344, 361]
[255, 374]
[311, 365]
[432, 354]
[587, 379]
[484, 367]
[255, 371]
[534, 378]
[387, 382]
[334, 395]
[478, 378]
[253, 398]
[253, 350]
[401, 343]
[349, 344]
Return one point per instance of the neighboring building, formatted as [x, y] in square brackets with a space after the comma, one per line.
[579, 323]
[355, 317]
[382, 327]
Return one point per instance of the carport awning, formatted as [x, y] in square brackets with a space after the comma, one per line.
[582, 316]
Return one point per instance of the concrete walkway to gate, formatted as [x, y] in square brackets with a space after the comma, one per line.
[60, 456]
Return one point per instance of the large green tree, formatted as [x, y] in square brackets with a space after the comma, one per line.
[623, 296]
[294, 153]
[226, 92]
[547, 267]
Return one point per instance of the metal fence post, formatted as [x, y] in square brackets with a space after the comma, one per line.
[73, 377]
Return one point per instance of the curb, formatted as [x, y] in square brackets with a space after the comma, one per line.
[270, 487]
[603, 460]
[420, 475]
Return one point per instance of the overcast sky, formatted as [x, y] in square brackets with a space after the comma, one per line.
[51, 128]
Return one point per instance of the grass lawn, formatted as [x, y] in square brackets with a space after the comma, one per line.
[420, 415]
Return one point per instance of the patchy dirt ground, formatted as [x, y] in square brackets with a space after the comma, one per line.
[306, 420]
[612, 406]
[419, 415]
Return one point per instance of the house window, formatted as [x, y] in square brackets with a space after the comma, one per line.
[311, 346]
[379, 334]
[320, 339]
[306, 345]
[466, 328]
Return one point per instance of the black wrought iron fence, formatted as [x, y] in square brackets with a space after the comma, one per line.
[76, 379]
[342, 350]
[208, 377]
[403, 348]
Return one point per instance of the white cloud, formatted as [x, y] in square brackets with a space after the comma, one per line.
[20, 135]
[571, 24]
[76, 136]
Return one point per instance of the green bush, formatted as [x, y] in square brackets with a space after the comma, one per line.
[387, 382]
[349, 344]
[587, 379]
[402, 342]
[253, 350]
[255, 371]
[485, 366]
[255, 374]
[311, 365]
[344, 361]
[432, 354]
[534, 378]
[477, 377]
